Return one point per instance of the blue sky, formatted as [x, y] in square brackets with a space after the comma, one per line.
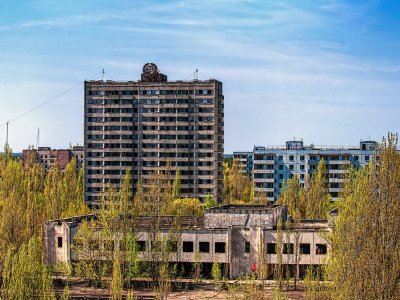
[325, 71]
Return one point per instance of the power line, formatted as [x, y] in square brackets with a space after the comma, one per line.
[46, 102]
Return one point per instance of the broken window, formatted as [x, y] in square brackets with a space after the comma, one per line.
[271, 248]
[247, 247]
[219, 247]
[204, 247]
[321, 249]
[141, 246]
[305, 249]
[187, 246]
[288, 248]
[59, 242]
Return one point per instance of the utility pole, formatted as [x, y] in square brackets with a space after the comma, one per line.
[38, 139]
[7, 135]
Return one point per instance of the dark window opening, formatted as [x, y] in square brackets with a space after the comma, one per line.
[247, 247]
[288, 248]
[59, 242]
[141, 246]
[271, 248]
[305, 249]
[321, 249]
[187, 246]
[204, 246]
[219, 247]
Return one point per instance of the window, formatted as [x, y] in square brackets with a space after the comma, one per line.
[291, 157]
[367, 158]
[59, 242]
[305, 249]
[280, 157]
[280, 167]
[302, 167]
[356, 158]
[321, 249]
[291, 167]
[271, 248]
[247, 247]
[172, 246]
[302, 158]
[187, 246]
[288, 248]
[141, 246]
[219, 247]
[204, 247]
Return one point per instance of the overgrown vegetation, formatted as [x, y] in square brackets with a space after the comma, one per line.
[364, 260]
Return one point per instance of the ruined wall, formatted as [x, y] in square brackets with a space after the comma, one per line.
[242, 262]
[222, 218]
[57, 243]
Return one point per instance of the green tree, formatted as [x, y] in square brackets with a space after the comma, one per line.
[209, 201]
[237, 187]
[24, 274]
[365, 250]
[176, 190]
[117, 281]
[216, 270]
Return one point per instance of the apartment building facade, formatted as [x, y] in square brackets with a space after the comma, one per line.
[144, 126]
[47, 157]
[274, 165]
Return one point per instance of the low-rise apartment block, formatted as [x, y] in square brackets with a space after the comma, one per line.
[47, 157]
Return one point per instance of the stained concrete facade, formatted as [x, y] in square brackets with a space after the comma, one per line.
[153, 125]
[235, 235]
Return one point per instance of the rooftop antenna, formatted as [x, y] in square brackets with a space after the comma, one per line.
[7, 134]
[102, 75]
[196, 75]
[38, 139]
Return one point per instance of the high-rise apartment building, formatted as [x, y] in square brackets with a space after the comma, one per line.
[273, 166]
[143, 126]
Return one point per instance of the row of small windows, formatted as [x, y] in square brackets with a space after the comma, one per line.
[320, 249]
[147, 101]
[151, 119]
[150, 92]
[146, 172]
[166, 128]
[150, 110]
[293, 158]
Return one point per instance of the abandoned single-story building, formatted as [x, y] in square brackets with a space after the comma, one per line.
[240, 237]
